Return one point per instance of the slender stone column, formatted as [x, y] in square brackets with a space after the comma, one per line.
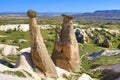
[39, 52]
[66, 50]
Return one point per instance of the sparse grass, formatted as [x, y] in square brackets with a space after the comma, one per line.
[38, 70]
[13, 37]
[85, 49]
[104, 60]
[27, 73]
[18, 73]
[49, 37]
[12, 58]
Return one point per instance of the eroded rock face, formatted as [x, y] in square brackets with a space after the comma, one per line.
[81, 36]
[39, 52]
[7, 50]
[66, 51]
[106, 43]
[25, 61]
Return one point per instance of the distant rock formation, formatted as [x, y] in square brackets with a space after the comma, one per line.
[66, 50]
[39, 52]
[7, 50]
[106, 43]
[81, 36]
[104, 52]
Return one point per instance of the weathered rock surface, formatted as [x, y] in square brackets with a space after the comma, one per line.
[66, 50]
[81, 36]
[106, 43]
[20, 27]
[39, 52]
[25, 61]
[104, 52]
[8, 49]
[25, 50]
[85, 77]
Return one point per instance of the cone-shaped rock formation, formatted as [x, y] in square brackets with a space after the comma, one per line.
[39, 52]
[66, 50]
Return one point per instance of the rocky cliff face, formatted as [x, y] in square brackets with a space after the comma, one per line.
[66, 51]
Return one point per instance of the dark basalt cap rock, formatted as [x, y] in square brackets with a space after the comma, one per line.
[31, 14]
[68, 16]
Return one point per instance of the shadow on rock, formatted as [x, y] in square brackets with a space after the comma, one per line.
[28, 58]
[6, 63]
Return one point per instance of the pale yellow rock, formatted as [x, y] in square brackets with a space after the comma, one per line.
[39, 52]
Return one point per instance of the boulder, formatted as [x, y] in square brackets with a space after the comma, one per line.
[81, 36]
[66, 51]
[106, 43]
[62, 71]
[85, 77]
[9, 50]
[116, 68]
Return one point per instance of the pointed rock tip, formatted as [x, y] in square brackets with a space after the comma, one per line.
[68, 16]
[31, 13]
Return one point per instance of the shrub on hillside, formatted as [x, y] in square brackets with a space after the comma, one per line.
[9, 31]
[3, 40]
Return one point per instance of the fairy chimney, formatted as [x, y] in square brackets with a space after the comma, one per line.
[39, 52]
[66, 50]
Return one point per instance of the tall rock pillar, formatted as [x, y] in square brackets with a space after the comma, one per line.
[66, 50]
[39, 52]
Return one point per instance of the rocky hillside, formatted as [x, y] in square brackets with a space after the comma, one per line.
[109, 15]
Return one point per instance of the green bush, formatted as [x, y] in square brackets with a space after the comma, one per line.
[3, 40]
[9, 31]
[15, 41]
[51, 40]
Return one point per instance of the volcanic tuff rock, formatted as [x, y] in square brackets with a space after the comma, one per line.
[39, 52]
[106, 43]
[66, 51]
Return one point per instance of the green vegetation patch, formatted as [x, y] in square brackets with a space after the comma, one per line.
[18, 73]
[104, 60]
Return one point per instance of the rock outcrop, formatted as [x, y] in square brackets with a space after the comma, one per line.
[85, 77]
[7, 50]
[81, 36]
[39, 52]
[25, 61]
[66, 50]
[106, 43]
